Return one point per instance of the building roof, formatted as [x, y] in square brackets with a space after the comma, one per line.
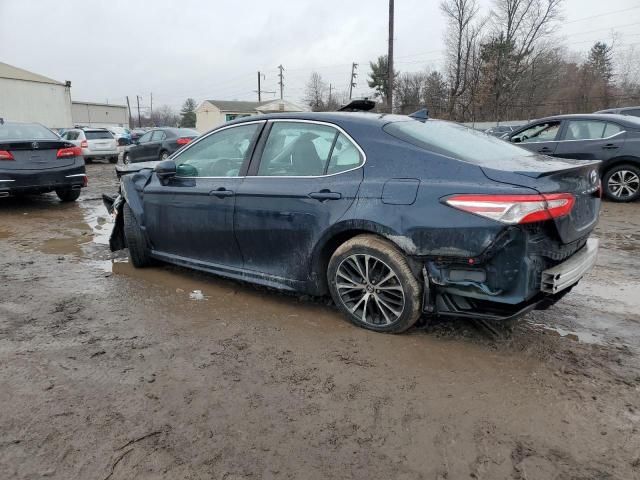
[97, 104]
[236, 106]
[15, 73]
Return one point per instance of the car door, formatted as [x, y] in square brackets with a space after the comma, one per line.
[540, 138]
[155, 145]
[137, 151]
[190, 217]
[301, 183]
[590, 140]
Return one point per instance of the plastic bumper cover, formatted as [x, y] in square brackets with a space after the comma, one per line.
[569, 272]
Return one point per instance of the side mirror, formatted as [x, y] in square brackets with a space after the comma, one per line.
[165, 170]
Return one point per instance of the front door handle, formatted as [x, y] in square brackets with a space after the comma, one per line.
[610, 146]
[221, 193]
[323, 195]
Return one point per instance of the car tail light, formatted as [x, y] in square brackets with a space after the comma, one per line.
[84, 144]
[513, 209]
[6, 155]
[69, 152]
[85, 181]
[183, 140]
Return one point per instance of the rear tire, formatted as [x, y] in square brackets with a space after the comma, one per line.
[134, 239]
[622, 183]
[113, 159]
[371, 283]
[67, 194]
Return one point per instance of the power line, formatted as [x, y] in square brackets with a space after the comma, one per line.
[601, 15]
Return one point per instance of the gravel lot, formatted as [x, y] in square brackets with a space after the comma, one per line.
[107, 372]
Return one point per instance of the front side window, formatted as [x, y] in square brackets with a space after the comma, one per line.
[297, 149]
[542, 132]
[220, 154]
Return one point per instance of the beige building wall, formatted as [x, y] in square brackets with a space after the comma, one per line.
[29, 101]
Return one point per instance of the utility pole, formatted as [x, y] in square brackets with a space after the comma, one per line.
[151, 105]
[329, 101]
[139, 121]
[259, 89]
[129, 110]
[352, 82]
[281, 82]
[390, 60]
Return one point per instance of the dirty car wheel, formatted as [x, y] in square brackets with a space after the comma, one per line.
[134, 239]
[67, 194]
[622, 183]
[371, 282]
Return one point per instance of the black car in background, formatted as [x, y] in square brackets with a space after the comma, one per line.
[632, 111]
[612, 138]
[33, 159]
[500, 130]
[393, 215]
[158, 144]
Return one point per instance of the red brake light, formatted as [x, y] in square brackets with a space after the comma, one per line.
[69, 152]
[5, 155]
[183, 140]
[84, 144]
[513, 209]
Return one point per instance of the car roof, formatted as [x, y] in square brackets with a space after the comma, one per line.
[626, 120]
[618, 109]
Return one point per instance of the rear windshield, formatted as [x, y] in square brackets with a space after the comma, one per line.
[25, 131]
[97, 135]
[185, 132]
[456, 141]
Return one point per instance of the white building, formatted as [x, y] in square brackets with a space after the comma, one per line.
[28, 97]
[212, 113]
[88, 114]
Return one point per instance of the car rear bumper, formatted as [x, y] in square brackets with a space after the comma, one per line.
[534, 287]
[88, 153]
[41, 181]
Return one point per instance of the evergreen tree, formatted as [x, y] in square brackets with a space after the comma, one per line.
[188, 114]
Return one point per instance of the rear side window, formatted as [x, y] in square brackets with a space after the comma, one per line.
[344, 156]
[25, 131]
[72, 135]
[634, 112]
[584, 130]
[612, 129]
[456, 141]
[98, 135]
[158, 136]
[297, 149]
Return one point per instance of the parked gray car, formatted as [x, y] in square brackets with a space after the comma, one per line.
[633, 111]
[612, 138]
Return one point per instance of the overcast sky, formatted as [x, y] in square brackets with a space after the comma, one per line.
[213, 49]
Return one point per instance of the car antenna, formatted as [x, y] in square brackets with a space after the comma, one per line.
[421, 114]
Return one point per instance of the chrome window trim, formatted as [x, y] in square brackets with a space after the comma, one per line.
[292, 120]
[582, 139]
[590, 139]
[7, 180]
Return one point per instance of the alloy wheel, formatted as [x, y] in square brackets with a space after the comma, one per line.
[370, 290]
[624, 183]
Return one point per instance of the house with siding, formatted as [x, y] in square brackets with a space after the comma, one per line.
[213, 113]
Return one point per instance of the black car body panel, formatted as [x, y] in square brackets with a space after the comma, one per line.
[35, 167]
[281, 231]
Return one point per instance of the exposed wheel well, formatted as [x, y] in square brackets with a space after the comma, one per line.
[614, 162]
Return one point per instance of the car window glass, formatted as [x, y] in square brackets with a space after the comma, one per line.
[25, 131]
[634, 112]
[221, 154]
[612, 129]
[584, 130]
[344, 156]
[542, 132]
[98, 135]
[297, 149]
[145, 138]
[72, 135]
[157, 136]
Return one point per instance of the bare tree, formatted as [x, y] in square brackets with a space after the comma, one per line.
[408, 91]
[165, 116]
[315, 92]
[461, 40]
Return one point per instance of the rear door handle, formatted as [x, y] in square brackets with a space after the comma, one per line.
[323, 195]
[610, 146]
[221, 193]
[544, 150]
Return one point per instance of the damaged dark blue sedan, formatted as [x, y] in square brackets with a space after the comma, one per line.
[394, 216]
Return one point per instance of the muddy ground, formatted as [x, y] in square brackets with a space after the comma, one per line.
[107, 372]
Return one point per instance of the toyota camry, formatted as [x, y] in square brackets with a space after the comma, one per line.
[395, 216]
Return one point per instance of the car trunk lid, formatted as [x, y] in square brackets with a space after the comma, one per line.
[97, 141]
[549, 175]
[35, 155]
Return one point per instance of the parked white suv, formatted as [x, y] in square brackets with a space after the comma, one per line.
[95, 143]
